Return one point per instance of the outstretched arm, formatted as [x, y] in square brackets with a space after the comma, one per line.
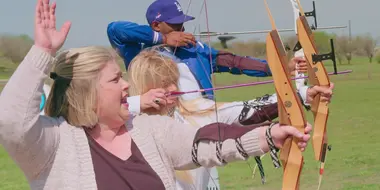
[223, 61]
[228, 62]
[198, 146]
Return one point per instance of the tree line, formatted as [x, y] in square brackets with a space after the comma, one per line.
[14, 48]
[345, 47]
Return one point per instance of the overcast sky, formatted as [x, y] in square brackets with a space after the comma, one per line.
[90, 17]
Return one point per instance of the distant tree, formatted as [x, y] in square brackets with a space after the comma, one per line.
[15, 47]
[322, 41]
[345, 47]
[366, 44]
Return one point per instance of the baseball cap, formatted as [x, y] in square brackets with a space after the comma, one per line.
[169, 11]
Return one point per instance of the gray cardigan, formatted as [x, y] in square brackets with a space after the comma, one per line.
[55, 155]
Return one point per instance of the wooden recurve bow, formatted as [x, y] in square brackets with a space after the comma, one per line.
[317, 76]
[290, 108]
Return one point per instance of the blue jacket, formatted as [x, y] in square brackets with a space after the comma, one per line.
[129, 39]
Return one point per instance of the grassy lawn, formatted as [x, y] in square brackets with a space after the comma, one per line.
[6, 68]
[352, 164]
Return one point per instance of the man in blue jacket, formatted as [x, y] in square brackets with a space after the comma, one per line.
[166, 18]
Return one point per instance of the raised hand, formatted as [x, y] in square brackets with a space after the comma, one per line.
[46, 35]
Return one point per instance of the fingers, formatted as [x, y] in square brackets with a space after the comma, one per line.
[46, 10]
[38, 16]
[292, 131]
[190, 42]
[301, 67]
[179, 39]
[52, 15]
[181, 43]
[65, 29]
[302, 145]
[303, 138]
[299, 59]
[308, 129]
[189, 38]
[154, 98]
[154, 105]
[157, 102]
[158, 91]
[332, 85]
[325, 92]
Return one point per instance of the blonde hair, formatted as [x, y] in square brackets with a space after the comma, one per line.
[150, 69]
[73, 93]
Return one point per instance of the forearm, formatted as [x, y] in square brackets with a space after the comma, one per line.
[20, 107]
[228, 62]
[261, 109]
[204, 152]
[30, 139]
[173, 135]
[245, 113]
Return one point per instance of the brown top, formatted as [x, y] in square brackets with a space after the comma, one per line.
[114, 173]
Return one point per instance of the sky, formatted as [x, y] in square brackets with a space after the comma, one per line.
[90, 17]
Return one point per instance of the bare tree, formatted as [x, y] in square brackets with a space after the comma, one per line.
[367, 44]
[259, 49]
[344, 47]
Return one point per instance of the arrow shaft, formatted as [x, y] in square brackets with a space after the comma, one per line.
[260, 31]
[178, 93]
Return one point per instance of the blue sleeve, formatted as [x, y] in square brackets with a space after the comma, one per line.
[206, 51]
[124, 32]
[129, 38]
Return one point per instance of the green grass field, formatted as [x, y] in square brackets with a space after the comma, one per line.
[353, 163]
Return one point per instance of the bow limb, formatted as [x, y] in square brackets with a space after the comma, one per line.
[290, 108]
[317, 76]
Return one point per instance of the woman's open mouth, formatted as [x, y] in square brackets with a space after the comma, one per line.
[124, 102]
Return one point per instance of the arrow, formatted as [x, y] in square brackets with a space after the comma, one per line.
[179, 93]
[260, 31]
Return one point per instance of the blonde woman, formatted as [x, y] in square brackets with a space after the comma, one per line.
[152, 69]
[87, 139]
